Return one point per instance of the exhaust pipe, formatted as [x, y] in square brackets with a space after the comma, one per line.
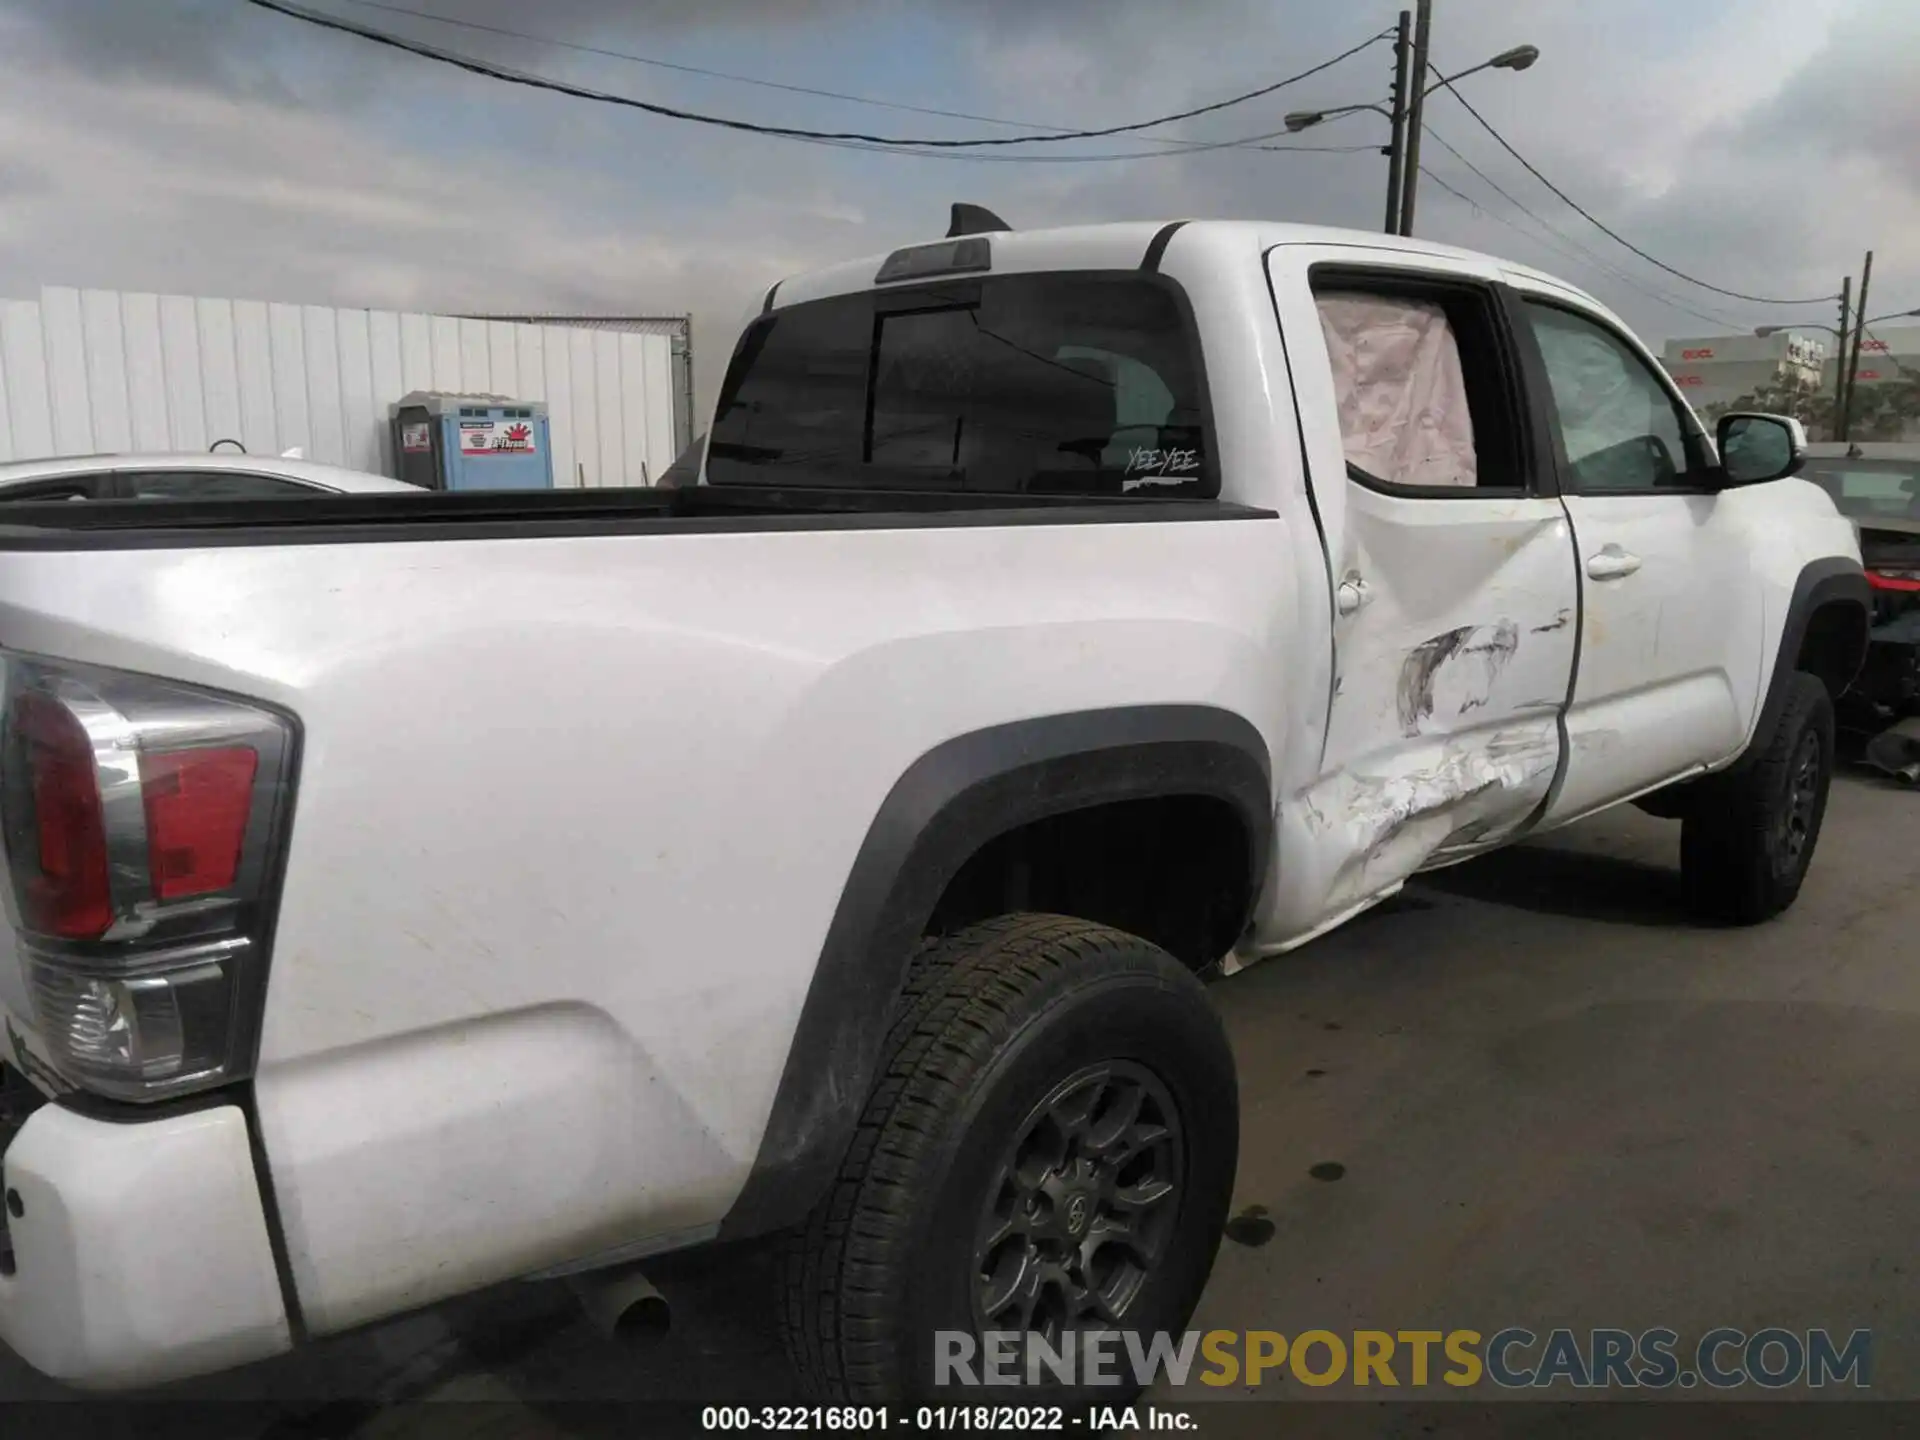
[623, 1305]
[1897, 751]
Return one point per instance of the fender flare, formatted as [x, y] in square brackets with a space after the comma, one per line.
[954, 799]
[1821, 582]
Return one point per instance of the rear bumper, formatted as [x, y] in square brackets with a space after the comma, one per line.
[140, 1250]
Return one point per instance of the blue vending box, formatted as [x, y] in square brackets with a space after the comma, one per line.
[472, 442]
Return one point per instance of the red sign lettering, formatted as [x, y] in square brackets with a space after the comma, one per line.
[1696, 354]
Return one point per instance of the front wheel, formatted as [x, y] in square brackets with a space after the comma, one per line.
[1049, 1152]
[1745, 845]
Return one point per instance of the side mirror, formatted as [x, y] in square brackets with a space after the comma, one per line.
[1757, 448]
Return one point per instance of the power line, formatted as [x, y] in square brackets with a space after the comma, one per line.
[1590, 255]
[1247, 142]
[1056, 130]
[1464, 198]
[1563, 249]
[1613, 234]
[1907, 372]
[1600, 262]
[579, 92]
[696, 69]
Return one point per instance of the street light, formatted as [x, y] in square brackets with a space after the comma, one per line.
[1765, 330]
[1299, 120]
[1403, 170]
[1518, 58]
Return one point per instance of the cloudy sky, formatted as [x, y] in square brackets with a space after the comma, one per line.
[209, 147]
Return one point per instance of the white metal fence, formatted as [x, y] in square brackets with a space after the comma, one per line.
[96, 371]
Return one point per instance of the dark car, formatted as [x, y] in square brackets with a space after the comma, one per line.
[1878, 488]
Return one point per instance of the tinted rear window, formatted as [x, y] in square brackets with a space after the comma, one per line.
[1060, 384]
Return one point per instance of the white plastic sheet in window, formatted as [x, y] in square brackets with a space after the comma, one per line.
[1401, 392]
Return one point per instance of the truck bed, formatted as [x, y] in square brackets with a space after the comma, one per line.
[574, 814]
[494, 515]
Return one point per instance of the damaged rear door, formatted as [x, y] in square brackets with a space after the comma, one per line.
[1456, 588]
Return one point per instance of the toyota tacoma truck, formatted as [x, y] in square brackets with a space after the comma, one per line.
[411, 893]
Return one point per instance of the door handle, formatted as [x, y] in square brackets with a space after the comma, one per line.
[1611, 563]
[1353, 593]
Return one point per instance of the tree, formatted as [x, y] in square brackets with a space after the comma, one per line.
[1882, 410]
[1805, 400]
[1886, 410]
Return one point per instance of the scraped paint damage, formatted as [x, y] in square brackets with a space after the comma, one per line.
[1470, 658]
[1388, 826]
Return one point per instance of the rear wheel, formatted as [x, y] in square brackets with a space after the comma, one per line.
[1747, 842]
[1049, 1151]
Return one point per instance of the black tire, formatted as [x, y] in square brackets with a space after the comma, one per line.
[995, 1020]
[1745, 847]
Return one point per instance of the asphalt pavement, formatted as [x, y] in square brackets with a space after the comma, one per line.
[1528, 1092]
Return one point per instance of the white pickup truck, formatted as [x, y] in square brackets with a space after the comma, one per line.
[412, 893]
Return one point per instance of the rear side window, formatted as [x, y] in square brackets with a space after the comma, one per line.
[1058, 384]
[1402, 391]
[1425, 383]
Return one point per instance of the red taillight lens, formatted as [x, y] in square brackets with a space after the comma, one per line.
[197, 803]
[66, 890]
[142, 825]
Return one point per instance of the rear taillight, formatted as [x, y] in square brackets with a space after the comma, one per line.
[63, 880]
[144, 824]
[197, 803]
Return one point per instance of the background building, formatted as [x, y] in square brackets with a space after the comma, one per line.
[1718, 369]
[106, 371]
[1888, 356]
[679, 332]
[1797, 371]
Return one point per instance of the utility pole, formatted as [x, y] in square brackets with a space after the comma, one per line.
[1397, 151]
[1416, 110]
[1840, 358]
[1859, 334]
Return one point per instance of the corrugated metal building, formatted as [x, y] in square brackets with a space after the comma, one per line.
[90, 371]
[679, 331]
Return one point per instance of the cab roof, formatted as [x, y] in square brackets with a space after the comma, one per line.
[1124, 246]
